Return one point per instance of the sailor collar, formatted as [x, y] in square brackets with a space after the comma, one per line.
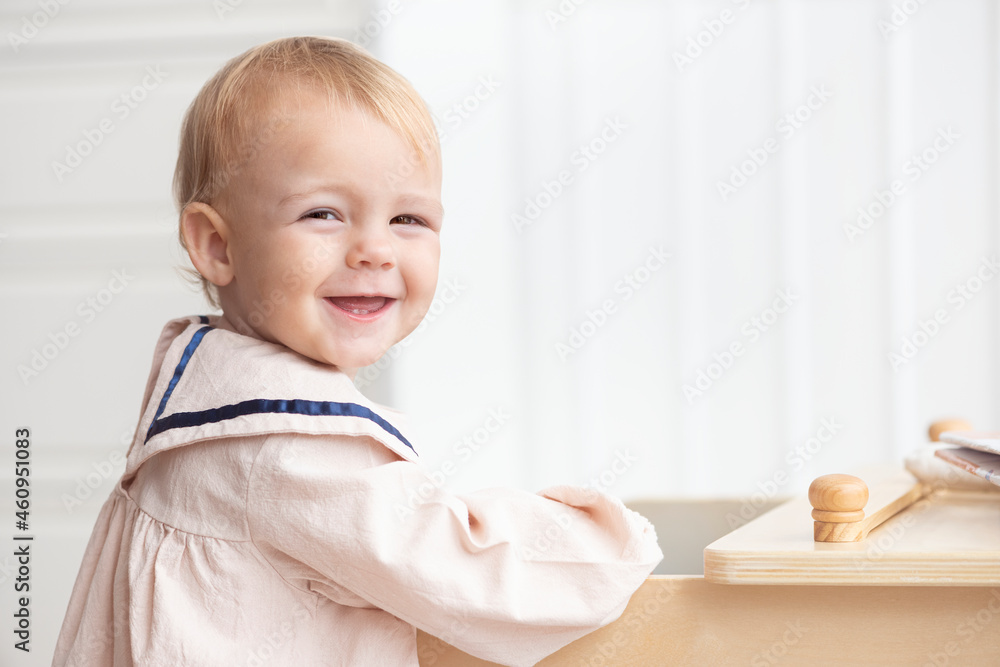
[214, 383]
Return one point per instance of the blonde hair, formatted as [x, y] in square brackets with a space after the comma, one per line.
[227, 124]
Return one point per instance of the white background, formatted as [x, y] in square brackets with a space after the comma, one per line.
[685, 125]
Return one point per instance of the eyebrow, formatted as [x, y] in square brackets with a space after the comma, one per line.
[295, 196]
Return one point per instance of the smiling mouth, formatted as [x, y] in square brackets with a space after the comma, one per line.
[360, 305]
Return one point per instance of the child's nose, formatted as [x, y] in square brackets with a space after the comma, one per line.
[371, 246]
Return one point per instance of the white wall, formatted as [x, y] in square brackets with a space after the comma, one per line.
[520, 293]
[882, 95]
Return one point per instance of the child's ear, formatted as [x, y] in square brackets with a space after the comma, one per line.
[206, 237]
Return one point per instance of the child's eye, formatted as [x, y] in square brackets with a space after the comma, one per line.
[322, 214]
[407, 220]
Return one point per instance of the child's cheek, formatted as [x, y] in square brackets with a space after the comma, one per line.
[291, 279]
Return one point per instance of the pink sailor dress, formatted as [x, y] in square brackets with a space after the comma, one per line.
[270, 514]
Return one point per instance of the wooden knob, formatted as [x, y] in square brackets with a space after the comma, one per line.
[942, 425]
[838, 498]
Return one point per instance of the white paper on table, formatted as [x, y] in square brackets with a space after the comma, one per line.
[984, 441]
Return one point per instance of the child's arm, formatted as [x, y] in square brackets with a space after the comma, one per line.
[502, 574]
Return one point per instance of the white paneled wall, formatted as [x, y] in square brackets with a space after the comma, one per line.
[65, 239]
[519, 94]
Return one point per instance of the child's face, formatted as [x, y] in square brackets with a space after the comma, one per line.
[333, 237]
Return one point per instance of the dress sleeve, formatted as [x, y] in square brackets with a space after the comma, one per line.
[502, 574]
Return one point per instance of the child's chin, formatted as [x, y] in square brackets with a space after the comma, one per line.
[359, 361]
[356, 359]
[368, 361]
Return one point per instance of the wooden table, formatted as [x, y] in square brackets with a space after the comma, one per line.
[922, 589]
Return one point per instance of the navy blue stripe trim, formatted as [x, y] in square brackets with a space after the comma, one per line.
[203, 319]
[286, 406]
[185, 358]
